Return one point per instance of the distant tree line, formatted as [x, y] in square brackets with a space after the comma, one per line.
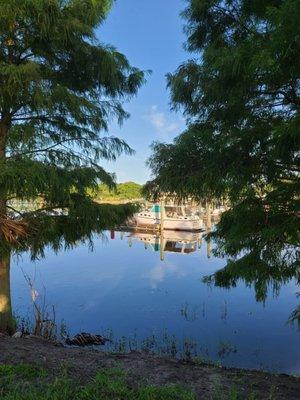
[122, 191]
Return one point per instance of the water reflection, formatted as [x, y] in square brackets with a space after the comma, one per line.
[179, 242]
[147, 282]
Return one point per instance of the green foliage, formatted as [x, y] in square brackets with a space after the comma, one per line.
[241, 97]
[84, 221]
[122, 191]
[59, 89]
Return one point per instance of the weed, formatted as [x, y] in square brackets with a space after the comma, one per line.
[225, 349]
[189, 314]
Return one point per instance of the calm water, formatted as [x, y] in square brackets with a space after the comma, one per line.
[129, 286]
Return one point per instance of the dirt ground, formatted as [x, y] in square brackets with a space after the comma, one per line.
[83, 364]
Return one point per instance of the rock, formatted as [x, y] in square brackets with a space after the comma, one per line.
[17, 335]
[86, 339]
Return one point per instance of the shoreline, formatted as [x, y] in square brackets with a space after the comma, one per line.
[201, 378]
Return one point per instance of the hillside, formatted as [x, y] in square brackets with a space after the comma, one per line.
[123, 191]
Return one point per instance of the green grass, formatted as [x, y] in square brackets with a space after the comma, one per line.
[30, 382]
[27, 382]
[22, 371]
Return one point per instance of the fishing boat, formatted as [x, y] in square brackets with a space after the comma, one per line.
[171, 217]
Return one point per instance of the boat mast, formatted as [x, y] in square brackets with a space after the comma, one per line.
[162, 214]
[162, 222]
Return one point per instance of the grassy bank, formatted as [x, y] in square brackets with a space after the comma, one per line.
[29, 381]
[25, 381]
[36, 369]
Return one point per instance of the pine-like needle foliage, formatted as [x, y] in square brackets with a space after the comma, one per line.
[59, 88]
[241, 97]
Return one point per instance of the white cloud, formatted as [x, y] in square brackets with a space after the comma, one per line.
[163, 125]
[159, 273]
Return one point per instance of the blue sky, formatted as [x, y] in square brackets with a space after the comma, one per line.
[150, 34]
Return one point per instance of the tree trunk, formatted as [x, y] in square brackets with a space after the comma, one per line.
[7, 324]
[3, 197]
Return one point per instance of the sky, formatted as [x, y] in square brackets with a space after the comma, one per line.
[150, 34]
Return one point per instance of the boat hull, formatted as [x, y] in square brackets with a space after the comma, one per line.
[184, 224]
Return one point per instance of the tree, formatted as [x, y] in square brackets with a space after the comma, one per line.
[7, 323]
[241, 97]
[129, 190]
[122, 191]
[59, 88]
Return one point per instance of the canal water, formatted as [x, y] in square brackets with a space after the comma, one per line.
[141, 288]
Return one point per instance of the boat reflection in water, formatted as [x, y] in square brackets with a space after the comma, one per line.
[179, 242]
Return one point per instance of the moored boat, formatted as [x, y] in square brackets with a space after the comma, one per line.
[174, 218]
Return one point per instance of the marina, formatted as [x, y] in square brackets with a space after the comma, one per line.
[149, 200]
[140, 287]
[175, 217]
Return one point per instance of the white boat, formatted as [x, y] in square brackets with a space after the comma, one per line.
[174, 218]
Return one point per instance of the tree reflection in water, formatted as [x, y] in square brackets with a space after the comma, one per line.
[261, 274]
[58, 232]
[61, 233]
